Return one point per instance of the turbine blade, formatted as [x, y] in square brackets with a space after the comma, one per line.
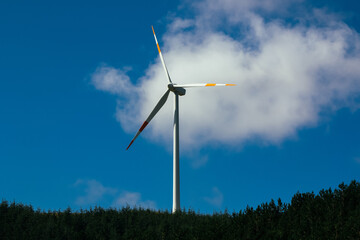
[158, 106]
[161, 57]
[203, 85]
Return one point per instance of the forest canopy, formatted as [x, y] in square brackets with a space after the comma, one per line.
[330, 214]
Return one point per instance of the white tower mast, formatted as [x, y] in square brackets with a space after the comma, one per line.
[176, 170]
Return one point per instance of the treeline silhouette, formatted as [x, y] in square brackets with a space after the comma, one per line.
[327, 215]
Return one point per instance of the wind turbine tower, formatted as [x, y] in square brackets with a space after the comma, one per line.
[178, 90]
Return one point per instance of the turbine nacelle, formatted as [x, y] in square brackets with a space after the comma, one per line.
[177, 90]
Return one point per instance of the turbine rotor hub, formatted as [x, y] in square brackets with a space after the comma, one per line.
[177, 90]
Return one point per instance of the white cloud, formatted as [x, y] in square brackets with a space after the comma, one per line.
[216, 199]
[94, 192]
[199, 160]
[287, 75]
[238, 10]
[133, 199]
[113, 80]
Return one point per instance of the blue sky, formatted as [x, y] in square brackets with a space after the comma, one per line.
[78, 79]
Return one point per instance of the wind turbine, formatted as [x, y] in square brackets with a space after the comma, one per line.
[178, 90]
